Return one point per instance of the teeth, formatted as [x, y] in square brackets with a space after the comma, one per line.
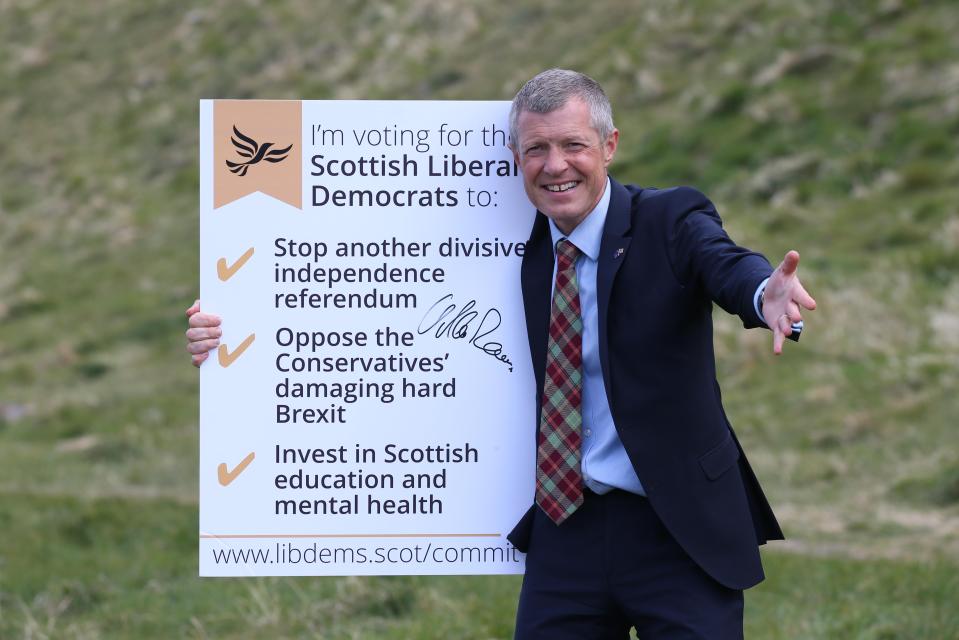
[556, 188]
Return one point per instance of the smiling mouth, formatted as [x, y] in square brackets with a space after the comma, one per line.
[559, 188]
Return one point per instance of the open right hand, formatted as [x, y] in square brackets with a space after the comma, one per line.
[203, 335]
[783, 299]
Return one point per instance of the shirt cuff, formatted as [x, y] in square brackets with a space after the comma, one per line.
[757, 297]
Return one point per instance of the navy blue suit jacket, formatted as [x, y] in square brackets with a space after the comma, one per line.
[663, 261]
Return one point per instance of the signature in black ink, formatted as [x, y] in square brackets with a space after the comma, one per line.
[453, 323]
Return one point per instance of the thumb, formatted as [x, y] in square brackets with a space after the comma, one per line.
[790, 263]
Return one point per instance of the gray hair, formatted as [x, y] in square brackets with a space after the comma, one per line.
[551, 90]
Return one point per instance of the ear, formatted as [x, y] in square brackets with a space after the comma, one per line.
[609, 147]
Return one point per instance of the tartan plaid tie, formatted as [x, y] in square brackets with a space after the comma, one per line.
[559, 478]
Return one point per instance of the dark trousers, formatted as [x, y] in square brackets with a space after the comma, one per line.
[611, 566]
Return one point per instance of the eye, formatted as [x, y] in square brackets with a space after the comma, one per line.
[534, 150]
[575, 146]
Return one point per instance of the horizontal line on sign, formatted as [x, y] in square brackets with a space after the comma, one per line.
[351, 535]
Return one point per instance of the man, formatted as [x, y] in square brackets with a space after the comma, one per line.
[647, 513]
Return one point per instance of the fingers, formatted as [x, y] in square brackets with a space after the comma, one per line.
[798, 293]
[792, 313]
[782, 327]
[202, 346]
[203, 333]
[199, 319]
[784, 324]
[786, 297]
[802, 297]
[778, 339]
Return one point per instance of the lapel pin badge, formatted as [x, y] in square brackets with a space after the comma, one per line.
[618, 253]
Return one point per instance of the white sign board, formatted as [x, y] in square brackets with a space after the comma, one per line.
[370, 407]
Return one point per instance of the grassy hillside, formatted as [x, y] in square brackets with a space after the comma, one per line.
[826, 126]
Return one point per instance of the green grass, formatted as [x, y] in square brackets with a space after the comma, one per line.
[830, 127]
[126, 568]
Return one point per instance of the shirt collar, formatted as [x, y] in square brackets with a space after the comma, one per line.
[588, 234]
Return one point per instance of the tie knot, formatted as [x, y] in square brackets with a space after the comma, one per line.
[566, 254]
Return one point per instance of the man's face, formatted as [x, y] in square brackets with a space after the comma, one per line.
[563, 162]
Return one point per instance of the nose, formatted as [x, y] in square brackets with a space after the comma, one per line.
[555, 161]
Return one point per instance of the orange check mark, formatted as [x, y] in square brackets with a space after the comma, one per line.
[227, 358]
[226, 272]
[226, 477]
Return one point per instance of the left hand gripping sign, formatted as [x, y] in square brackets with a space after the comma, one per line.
[370, 407]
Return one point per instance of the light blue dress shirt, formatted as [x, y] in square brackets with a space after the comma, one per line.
[605, 463]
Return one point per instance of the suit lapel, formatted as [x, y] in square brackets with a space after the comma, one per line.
[537, 272]
[612, 254]
[536, 276]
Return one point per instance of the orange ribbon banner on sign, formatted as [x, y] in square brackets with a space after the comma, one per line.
[256, 147]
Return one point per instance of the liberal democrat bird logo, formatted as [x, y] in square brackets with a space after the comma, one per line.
[254, 151]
